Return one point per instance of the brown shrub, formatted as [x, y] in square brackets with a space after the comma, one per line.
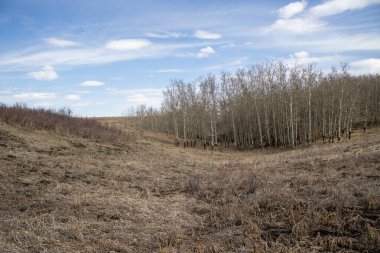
[60, 121]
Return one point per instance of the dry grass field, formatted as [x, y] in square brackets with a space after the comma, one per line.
[64, 193]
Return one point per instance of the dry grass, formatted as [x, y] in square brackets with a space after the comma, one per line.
[60, 121]
[67, 194]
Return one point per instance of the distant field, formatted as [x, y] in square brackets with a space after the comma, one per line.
[65, 193]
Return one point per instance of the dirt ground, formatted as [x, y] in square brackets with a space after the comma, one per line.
[69, 194]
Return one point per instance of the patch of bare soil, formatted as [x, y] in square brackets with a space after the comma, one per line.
[67, 194]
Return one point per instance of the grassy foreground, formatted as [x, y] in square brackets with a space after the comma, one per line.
[66, 193]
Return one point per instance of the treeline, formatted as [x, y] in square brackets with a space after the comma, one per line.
[266, 105]
[60, 121]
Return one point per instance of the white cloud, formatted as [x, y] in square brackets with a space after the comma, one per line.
[134, 97]
[46, 73]
[296, 25]
[23, 59]
[200, 34]
[72, 97]
[291, 9]
[301, 54]
[71, 57]
[336, 43]
[205, 52]
[370, 65]
[92, 83]
[35, 95]
[229, 65]
[165, 35]
[333, 7]
[128, 44]
[304, 57]
[310, 20]
[62, 43]
[149, 97]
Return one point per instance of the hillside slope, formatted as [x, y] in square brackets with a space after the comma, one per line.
[64, 193]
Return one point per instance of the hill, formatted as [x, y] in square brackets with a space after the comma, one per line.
[66, 193]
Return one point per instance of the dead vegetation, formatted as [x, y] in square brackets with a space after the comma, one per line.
[60, 121]
[67, 193]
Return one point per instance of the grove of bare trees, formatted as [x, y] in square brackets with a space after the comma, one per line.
[263, 105]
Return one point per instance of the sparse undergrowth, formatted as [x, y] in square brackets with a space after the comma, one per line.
[65, 193]
[60, 121]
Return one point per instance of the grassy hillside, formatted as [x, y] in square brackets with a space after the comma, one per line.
[67, 193]
[60, 121]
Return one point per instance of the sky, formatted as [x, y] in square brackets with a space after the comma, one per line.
[101, 58]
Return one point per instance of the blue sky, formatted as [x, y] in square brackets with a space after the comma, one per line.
[102, 57]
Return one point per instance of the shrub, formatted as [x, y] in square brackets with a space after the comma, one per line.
[61, 121]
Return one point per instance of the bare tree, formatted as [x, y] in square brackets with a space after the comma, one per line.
[266, 105]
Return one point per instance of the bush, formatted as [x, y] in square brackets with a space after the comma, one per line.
[61, 121]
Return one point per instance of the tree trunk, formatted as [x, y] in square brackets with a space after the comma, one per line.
[267, 125]
[309, 103]
[259, 124]
[291, 121]
[274, 126]
[340, 114]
